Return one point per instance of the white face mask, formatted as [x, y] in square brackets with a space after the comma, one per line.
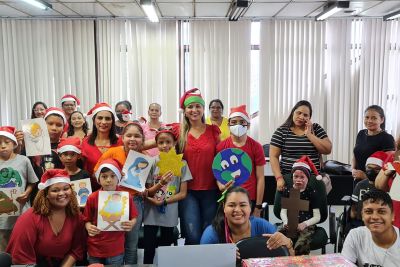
[238, 130]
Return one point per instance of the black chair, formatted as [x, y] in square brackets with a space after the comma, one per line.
[5, 259]
[256, 247]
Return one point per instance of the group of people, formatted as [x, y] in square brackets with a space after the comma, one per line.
[42, 234]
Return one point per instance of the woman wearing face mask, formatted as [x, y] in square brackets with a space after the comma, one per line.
[239, 122]
[123, 112]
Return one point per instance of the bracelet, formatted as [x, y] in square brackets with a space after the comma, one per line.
[279, 177]
[258, 206]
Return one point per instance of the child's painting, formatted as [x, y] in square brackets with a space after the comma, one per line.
[8, 203]
[232, 164]
[36, 137]
[113, 208]
[170, 161]
[82, 189]
[136, 169]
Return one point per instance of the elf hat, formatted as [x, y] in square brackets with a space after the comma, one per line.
[55, 111]
[113, 165]
[72, 144]
[191, 96]
[306, 165]
[240, 111]
[53, 176]
[70, 98]
[8, 131]
[100, 107]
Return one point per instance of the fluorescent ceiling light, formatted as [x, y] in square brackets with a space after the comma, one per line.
[149, 10]
[39, 4]
[393, 15]
[332, 8]
[237, 9]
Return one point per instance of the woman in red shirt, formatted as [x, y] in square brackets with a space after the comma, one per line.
[197, 142]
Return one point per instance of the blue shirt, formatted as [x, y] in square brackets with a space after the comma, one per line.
[259, 227]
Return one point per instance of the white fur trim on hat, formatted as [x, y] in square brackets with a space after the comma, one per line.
[68, 148]
[52, 181]
[68, 99]
[52, 112]
[111, 167]
[301, 164]
[240, 114]
[102, 108]
[375, 161]
[9, 135]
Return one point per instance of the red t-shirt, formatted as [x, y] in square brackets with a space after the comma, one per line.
[33, 240]
[256, 154]
[199, 154]
[107, 243]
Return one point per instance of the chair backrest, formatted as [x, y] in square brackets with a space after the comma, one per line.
[318, 185]
[266, 150]
[5, 259]
[256, 247]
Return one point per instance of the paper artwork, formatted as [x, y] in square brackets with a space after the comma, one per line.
[36, 137]
[170, 162]
[232, 164]
[395, 188]
[113, 208]
[8, 203]
[82, 189]
[136, 169]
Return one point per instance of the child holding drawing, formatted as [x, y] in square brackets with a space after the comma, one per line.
[162, 212]
[15, 172]
[106, 247]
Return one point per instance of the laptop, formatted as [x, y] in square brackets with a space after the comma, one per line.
[215, 255]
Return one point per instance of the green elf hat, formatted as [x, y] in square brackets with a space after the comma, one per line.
[191, 96]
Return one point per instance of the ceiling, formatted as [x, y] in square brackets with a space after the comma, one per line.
[183, 9]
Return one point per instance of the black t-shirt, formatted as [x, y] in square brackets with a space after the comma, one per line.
[82, 174]
[366, 145]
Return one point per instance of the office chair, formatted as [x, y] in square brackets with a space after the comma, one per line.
[256, 247]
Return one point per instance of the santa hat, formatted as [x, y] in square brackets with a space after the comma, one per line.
[53, 176]
[72, 144]
[306, 165]
[240, 111]
[377, 158]
[126, 115]
[113, 165]
[168, 129]
[70, 98]
[8, 131]
[55, 111]
[100, 107]
[191, 96]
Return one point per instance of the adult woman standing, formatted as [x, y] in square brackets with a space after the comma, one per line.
[216, 109]
[123, 110]
[103, 137]
[51, 233]
[197, 141]
[296, 137]
[38, 110]
[373, 138]
[152, 127]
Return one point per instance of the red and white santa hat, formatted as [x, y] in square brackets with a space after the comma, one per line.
[55, 111]
[377, 158]
[100, 107]
[306, 165]
[240, 111]
[53, 176]
[72, 144]
[112, 165]
[8, 131]
[70, 98]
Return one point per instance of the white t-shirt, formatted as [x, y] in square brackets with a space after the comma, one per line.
[359, 247]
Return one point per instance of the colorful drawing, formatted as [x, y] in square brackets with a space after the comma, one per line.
[10, 178]
[170, 162]
[36, 137]
[82, 189]
[232, 163]
[136, 169]
[8, 203]
[113, 209]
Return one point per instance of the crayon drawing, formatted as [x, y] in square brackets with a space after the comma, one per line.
[36, 137]
[82, 189]
[8, 203]
[113, 208]
[136, 169]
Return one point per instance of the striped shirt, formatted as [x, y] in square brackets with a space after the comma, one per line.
[293, 147]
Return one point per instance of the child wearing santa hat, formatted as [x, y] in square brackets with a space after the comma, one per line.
[77, 125]
[16, 172]
[106, 247]
[239, 123]
[301, 173]
[69, 151]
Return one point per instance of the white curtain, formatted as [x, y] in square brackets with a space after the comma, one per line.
[219, 61]
[292, 63]
[138, 61]
[41, 60]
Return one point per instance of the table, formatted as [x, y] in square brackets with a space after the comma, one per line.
[336, 260]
